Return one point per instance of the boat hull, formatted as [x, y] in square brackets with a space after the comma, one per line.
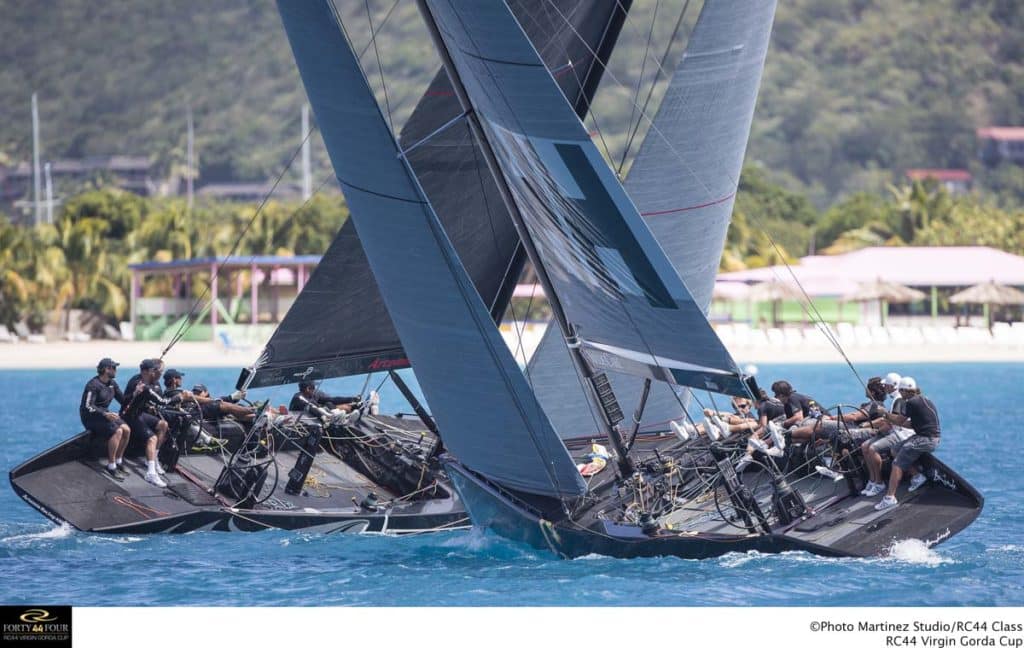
[867, 532]
[67, 484]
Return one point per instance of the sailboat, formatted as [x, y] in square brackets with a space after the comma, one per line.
[369, 474]
[620, 307]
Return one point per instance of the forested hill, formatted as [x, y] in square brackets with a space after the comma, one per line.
[855, 91]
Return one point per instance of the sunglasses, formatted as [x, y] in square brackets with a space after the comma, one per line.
[747, 406]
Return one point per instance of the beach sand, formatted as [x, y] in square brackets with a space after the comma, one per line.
[80, 355]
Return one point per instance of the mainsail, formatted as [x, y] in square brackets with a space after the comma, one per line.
[683, 181]
[339, 325]
[627, 307]
[464, 367]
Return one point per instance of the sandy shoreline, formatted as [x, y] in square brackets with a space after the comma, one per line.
[79, 355]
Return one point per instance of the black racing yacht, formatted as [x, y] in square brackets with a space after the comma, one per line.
[376, 474]
[621, 309]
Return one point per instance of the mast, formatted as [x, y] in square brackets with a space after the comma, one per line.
[49, 193]
[36, 175]
[190, 146]
[307, 172]
[626, 468]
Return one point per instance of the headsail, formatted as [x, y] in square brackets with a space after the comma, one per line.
[338, 325]
[628, 307]
[467, 373]
[683, 181]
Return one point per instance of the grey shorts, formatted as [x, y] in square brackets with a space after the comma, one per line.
[912, 449]
[889, 443]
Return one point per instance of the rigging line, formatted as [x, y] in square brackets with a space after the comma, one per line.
[380, 66]
[640, 79]
[820, 323]
[483, 192]
[651, 125]
[654, 83]
[187, 324]
[520, 331]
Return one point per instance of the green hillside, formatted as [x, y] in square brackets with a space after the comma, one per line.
[855, 91]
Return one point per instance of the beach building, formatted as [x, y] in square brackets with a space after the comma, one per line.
[955, 181]
[1001, 143]
[937, 271]
[242, 307]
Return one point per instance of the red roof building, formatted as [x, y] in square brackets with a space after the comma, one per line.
[999, 143]
[956, 181]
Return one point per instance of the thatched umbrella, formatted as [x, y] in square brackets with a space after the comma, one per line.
[886, 292]
[989, 294]
[775, 291]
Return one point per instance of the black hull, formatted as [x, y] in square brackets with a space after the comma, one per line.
[845, 526]
[67, 485]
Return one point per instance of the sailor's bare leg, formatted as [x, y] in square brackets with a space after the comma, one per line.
[894, 479]
[126, 435]
[873, 461]
[238, 411]
[112, 445]
[151, 445]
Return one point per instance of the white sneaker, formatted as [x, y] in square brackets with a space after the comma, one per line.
[679, 431]
[154, 479]
[711, 429]
[778, 438]
[872, 489]
[160, 469]
[825, 472]
[887, 502]
[762, 447]
[917, 481]
[722, 425]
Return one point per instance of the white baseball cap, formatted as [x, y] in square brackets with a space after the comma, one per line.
[907, 382]
[892, 379]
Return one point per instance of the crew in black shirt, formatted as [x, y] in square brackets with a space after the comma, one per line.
[922, 416]
[143, 392]
[308, 395]
[94, 410]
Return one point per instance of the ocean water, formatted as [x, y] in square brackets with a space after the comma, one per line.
[983, 565]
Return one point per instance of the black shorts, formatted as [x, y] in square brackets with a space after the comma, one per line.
[144, 425]
[210, 409]
[100, 425]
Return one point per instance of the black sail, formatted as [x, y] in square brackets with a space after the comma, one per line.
[339, 325]
[473, 385]
[684, 182]
[628, 308]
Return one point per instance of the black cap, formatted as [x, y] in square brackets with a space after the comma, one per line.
[171, 374]
[199, 388]
[306, 384]
[106, 362]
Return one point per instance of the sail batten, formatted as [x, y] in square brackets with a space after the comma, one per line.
[683, 181]
[466, 372]
[339, 320]
[613, 281]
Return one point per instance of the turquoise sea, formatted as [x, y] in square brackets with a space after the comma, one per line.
[983, 565]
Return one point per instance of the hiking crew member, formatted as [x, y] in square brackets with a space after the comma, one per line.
[215, 408]
[96, 416]
[920, 412]
[308, 394]
[142, 391]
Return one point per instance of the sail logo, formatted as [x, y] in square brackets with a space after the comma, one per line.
[383, 363]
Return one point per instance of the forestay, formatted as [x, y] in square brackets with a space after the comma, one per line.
[624, 300]
[684, 182]
[339, 325]
[476, 392]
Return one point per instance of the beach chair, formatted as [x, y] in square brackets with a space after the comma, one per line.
[28, 335]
